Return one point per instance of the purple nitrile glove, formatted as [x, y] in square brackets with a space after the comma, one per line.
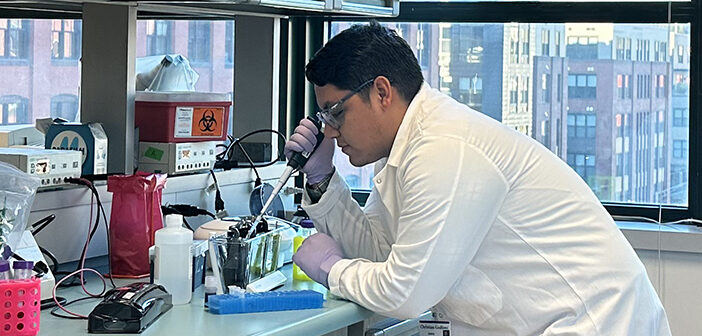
[316, 256]
[319, 164]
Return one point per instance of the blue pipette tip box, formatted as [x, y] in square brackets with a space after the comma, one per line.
[265, 301]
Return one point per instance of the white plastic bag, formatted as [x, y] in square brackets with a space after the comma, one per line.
[165, 73]
[17, 191]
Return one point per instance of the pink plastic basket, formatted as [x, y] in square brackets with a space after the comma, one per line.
[20, 301]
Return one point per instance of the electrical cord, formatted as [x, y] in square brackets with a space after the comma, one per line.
[41, 224]
[81, 267]
[100, 211]
[186, 210]
[219, 202]
[49, 303]
[54, 262]
[225, 159]
[54, 311]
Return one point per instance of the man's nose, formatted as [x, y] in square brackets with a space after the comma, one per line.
[330, 132]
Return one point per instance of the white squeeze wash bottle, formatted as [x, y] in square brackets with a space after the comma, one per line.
[173, 259]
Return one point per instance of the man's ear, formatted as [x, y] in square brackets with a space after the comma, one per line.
[383, 91]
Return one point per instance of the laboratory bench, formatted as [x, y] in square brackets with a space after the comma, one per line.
[337, 315]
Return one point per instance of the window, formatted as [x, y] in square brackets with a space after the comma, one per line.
[13, 110]
[680, 149]
[65, 39]
[159, 37]
[582, 86]
[624, 87]
[14, 39]
[681, 54]
[545, 42]
[217, 76]
[229, 43]
[546, 88]
[659, 83]
[583, 164]
[65, 106]
[582, 125]
[525, 90]
[632, 152]
[681, 84]
[680, 117]
[199, 47]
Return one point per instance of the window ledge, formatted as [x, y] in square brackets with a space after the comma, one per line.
[64, 61]
[672, 238]
[14, 61]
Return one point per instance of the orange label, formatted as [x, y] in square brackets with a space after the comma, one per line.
[208, 121]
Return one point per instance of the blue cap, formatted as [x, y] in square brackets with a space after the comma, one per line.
[4, 265]
[307, 223]
[23, 264]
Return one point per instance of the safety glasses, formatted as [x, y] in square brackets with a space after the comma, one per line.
[334, 115]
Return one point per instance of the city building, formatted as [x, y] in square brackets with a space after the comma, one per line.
[46, 54]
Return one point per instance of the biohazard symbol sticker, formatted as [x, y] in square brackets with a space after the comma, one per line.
[207, 121]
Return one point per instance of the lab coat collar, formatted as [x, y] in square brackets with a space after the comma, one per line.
[408, 123]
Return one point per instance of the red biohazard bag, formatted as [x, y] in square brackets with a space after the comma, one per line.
[136, 215]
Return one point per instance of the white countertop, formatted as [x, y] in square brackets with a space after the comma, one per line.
[192, 319]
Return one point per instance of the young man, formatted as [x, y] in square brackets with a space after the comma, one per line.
[468, 218]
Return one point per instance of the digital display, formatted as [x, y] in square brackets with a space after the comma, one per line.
[42, 167]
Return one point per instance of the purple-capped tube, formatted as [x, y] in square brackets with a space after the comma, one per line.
[5, 274]
[23, 269]
[6, 252]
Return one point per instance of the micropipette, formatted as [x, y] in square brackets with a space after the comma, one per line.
[297, 161]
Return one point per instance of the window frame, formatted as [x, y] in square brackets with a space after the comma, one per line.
[61, 99]
[606, 12]
[168, 37]
[10, 99]
[76, 41]
[194, 28]
[24, 32]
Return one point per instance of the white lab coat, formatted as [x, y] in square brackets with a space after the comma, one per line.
[488, 229]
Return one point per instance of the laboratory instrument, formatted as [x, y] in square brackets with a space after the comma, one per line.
[129, 309]
[21, 135]
[176, 158]
[51, 166]
[90, 139]
[173, 259]
[297, 161]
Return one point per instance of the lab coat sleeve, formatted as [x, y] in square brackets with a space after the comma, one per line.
[338, 215]
[450, 195]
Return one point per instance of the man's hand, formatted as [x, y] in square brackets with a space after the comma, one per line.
[319, 164]
[316, 256]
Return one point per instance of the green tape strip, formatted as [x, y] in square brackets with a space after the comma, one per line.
[153, 153]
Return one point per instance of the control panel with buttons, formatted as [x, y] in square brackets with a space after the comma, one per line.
[176, 158]
[51, 166]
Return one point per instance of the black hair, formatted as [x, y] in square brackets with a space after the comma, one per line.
[363, 52]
